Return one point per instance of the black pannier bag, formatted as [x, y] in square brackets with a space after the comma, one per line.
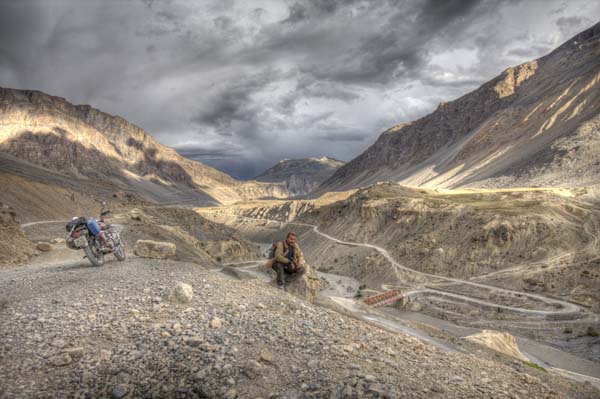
[73, 223]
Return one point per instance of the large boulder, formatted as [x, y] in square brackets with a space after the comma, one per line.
[138, 215]
[498, 341]
[306, 287]
[182, 293]
[154, 249]
[231, 250]
[44, 246]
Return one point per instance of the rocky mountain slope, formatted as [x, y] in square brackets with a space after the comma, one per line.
[301, 176]
[535, 124]
[85, 144]
[118, 332]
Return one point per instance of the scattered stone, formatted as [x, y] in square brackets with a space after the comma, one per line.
[182, 293]
[119, 391]
[370, 378]
[74, 353]
[253, 369]
[44, 246]
[154, 249]
[62, 359]
[455, 379]
[123, 378]
[266, 357]
[104, 355]
[216, 323]
[377, 390]
[177, 328]
[193, 341]
[437, 388]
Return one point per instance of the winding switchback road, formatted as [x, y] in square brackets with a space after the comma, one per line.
[563, 308]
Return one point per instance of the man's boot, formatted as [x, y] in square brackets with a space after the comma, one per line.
[280, 274]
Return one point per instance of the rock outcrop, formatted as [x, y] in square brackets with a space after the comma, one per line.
[535, 124]
[231, 250]
[15, 248]
[306, 287]
[154, 249]
[500, 342]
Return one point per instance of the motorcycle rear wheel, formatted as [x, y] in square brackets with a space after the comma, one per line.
[94, 255]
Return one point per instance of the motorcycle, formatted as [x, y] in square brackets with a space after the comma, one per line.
[95, 237]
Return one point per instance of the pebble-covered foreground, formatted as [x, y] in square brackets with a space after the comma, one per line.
[130, 330]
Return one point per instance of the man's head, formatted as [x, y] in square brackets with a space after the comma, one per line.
[291, 238]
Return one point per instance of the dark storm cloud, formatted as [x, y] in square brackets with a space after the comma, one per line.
[201, 152]
[297, 14]
[241, 85]
[234, 103]
[341, 135]
[398, 46]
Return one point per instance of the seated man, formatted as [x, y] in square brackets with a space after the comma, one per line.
[288, 261]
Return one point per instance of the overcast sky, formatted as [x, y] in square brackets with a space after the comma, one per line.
[240, 85]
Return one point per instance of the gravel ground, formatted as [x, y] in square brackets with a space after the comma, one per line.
[72, 330]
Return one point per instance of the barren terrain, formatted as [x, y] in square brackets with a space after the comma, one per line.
[519, 261]
[73, 330]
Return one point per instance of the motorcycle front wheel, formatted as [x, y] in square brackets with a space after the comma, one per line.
[94, 255]
[120, 252]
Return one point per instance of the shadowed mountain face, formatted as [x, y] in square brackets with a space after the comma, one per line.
[86, 144]
[301, 176]
[536, 124]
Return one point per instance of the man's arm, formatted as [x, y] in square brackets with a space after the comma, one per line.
[279, 257]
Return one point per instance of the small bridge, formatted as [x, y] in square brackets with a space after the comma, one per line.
[384, 299]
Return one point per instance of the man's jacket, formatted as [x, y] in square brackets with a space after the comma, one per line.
[281, 255]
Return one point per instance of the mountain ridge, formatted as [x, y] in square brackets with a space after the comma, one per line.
[302, 175]
[525, 127]
[86, 143]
